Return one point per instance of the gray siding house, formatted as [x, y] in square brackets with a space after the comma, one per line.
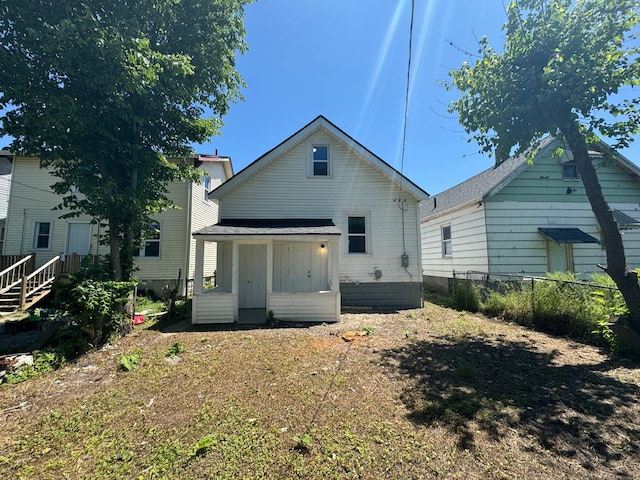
[518, 217]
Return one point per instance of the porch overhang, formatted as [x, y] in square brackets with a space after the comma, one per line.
[283, 228]
[624, 221]
[567, 235]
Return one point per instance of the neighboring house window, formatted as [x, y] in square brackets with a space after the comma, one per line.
[357, 227]
[150, 246]
[320, 160]
[206, 182]
[446, 241]
[570, 171]
[42, 235]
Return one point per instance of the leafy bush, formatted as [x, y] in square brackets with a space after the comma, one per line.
[466, 296]
[99, 307]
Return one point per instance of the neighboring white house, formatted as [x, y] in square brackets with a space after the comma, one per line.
[316, 222]
[526, 218]
[33, 227]
[5, 187]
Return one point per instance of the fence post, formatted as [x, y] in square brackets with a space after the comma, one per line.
[533, 297]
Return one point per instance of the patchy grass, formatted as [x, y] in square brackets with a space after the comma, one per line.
[434, 393]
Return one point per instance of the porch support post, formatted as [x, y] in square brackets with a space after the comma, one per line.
[334, 270]
[235, 288]
[199, 268]
[269, 284]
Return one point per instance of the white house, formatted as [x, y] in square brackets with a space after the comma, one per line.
[315, 223]
[531, 219]
[32, 227]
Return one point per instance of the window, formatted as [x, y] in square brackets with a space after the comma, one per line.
[570, 171]
[320, 160]
[206, 182]
[446, 241]
[42, 235]
[150, 246]
[357, 227]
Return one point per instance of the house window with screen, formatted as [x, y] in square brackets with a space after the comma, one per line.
[320, 160]
[150, 247]
[206, 182]
[42, 235]
[446, 241]
[357, 227]
[570, 171]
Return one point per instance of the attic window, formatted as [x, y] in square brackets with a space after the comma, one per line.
[570, 171]
[320, 160]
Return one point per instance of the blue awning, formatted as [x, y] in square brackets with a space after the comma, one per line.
[567, 235]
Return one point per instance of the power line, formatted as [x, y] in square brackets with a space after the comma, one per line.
[406, 98]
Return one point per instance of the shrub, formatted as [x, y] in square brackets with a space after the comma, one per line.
[466, 296]
[99, 307]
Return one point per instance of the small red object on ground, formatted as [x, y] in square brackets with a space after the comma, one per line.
[138, 319]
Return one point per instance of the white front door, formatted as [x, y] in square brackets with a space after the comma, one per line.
[79, 238]
[299, 275]
[252, 276]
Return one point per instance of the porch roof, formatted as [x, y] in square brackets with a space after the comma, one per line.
[271, 226]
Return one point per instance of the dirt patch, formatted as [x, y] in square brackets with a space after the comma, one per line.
[427, 393]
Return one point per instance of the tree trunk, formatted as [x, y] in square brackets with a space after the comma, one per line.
[114, 249]
[626, 280]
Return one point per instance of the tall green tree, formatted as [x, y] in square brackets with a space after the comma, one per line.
[561, 72]
[104, 92]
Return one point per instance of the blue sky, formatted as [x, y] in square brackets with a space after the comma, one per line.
[347, 60]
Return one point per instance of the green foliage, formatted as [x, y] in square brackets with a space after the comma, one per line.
[368, 330]
[105, 92]
[97, 306]
[44, 361]
[174, 350]
[561, 306]
[202, 446]
[466, 296]
[129, 362]
[303, 443]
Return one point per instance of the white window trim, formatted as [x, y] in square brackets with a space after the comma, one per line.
[206, 190]
[448, 241]
[143, 244]
[34, 241]
[367, 232]
[310, 162]
[570, 179]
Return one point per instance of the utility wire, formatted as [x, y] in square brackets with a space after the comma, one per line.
[406, 97]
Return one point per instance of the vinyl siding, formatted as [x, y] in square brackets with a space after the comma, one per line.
[203, 214]
[283, 189]
[515, 245]
[31, 201]
[468, 242]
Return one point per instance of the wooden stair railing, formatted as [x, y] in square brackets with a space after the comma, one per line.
[37, 285]
[13, 275]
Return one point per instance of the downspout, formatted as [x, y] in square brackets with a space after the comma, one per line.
[187, 243]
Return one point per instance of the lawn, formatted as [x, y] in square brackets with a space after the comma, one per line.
[425, 393]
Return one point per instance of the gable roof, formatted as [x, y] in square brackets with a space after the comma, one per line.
[320, 122]
[485, 184]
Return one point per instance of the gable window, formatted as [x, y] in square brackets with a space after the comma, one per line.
[150, 247]
[570, 171]
[357, 228]
[206, 182]
[446, 241]
[42, 235]
[320, 160]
